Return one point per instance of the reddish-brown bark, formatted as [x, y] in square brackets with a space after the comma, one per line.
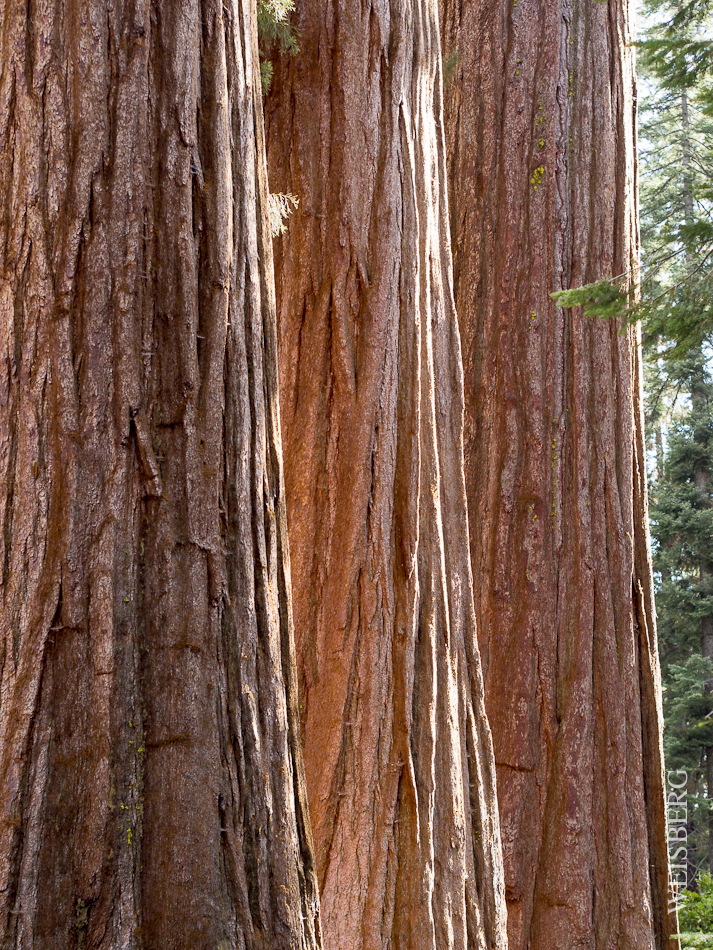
[542, 177]
[397, 749]
[151, 789]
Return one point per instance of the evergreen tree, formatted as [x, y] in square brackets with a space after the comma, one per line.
[676, 161]
[672, 293]
[682, 527]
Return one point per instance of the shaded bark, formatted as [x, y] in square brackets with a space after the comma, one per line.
[151, 785]
[542, 184]
[397, 750]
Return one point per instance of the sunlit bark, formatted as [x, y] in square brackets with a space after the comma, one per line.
[397, 750]
[542, 183]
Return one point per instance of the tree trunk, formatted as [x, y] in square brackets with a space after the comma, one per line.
[397, 749]
[542, 179]
[687, 160]
[151, 778]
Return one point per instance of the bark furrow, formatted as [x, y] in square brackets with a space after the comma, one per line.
[151, 784]
[397, 749]
[540, 134]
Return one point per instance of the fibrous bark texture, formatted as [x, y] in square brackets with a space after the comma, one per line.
[151, 792]
[397, 750]
[542, 178]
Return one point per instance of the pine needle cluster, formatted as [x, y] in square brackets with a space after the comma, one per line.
[274, 30]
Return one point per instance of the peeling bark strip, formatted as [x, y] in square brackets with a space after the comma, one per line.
[397, 748]
[151, 786]
[542, 178]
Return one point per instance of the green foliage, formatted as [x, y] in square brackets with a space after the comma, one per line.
[274, 29]
[676, 50]
[682, 530]
[695, 911]
[273, 24]
[603, 298]
[696, 941]
[675, 57]
[689, 730]
[265, 75]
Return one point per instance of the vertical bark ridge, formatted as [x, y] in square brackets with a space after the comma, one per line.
[152, 790]
[542, 185]
[397, 747]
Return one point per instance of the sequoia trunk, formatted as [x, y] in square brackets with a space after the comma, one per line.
[542, 177]
[397, 750]
[151, 787]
